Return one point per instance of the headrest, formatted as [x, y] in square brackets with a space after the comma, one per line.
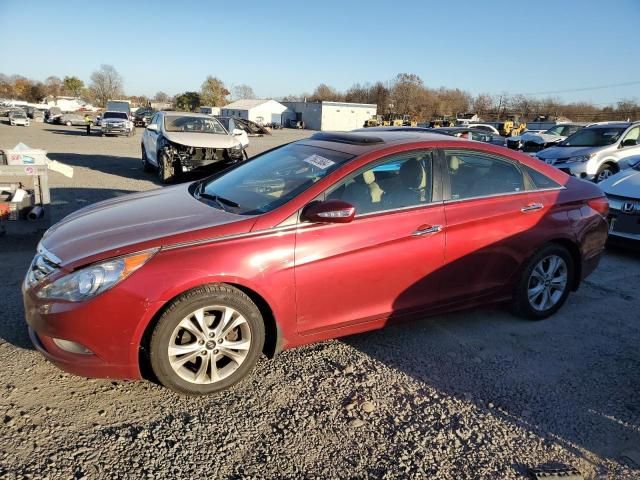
[412, 174]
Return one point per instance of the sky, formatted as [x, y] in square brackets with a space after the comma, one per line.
[289, 47]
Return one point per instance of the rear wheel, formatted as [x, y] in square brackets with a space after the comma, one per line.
[146, 166]
[207, 340]
[544, 284]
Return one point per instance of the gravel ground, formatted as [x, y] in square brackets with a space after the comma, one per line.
[478, 394]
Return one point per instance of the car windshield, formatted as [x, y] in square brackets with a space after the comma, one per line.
[187, 123]
[270, 179]
[121, 115]
[594, 137]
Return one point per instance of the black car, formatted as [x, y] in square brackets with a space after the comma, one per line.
[143, 116]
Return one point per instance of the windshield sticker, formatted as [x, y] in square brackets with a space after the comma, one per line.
[318, 161]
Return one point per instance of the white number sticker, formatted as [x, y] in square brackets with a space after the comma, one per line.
[318, 161]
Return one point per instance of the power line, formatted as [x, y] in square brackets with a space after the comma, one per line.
[584, 89]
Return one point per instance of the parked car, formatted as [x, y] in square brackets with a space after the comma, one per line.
[116, 123]
[230, 126]
[70, 119]
[471, 133]
[534, 141]
[176, 142]
[38, 116]
[486, 127]
[623, 192]
[18, 117]
[143, 116]
[593, 152]
[195, 281]
[53, 115]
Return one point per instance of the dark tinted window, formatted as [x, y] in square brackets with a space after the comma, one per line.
[540, 180]
[400, 181]
[473, 174]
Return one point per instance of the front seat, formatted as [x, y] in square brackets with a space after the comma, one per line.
[357, 194]
[412, 188]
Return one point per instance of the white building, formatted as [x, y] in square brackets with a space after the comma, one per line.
[335, 116]
[259, 111]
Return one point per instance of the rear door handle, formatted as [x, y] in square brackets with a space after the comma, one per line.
[426, 229]
[532, 207]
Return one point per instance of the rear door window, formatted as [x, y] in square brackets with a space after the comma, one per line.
[540, 180]
[475, 174]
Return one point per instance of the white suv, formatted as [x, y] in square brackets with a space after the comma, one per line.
[593, 153]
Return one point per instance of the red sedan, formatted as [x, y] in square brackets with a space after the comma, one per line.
[325, 237]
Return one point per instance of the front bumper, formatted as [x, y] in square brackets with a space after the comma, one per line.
[623, 225]
[113, 130]
[575, 169]
[107, 325]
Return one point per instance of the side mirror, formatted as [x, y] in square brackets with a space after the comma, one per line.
[237, 132]
[153, 127]
[629, 142]
[329, 211]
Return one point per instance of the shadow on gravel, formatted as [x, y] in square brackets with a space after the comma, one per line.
[571, 379]
[77, 131]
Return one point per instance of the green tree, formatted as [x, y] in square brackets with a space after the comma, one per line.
[72, 86]
[213, 92]
[188, 101]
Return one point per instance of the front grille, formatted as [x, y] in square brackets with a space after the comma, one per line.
[41, 267]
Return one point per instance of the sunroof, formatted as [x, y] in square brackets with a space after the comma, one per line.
[351, 138]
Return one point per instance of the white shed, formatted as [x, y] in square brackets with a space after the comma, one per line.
[335, 116]
[259, 111]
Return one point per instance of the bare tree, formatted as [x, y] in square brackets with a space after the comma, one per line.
[241, 92]
[325, 93]
[106, 84]
[73, 86]
[406, 92]
[53, 86]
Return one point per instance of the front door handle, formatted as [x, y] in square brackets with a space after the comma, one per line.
[426, 229]
[532, 207]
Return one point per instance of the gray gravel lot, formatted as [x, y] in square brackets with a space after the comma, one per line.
[478, 394]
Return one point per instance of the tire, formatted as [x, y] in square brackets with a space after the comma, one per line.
[604, 172]
[165, 167]
[68, 124]
[539, 274]
[146, 166]
[207, 368]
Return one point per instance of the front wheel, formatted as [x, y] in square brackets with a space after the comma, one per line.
[207, 340]
[604, 172]
[544, 284]
[165, 167]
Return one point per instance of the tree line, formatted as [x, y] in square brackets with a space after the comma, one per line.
[405, 94]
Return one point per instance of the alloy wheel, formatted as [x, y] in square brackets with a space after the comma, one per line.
[547, 282]
[209, 344]
[604, 174]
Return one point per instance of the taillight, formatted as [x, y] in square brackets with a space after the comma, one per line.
[600, 205]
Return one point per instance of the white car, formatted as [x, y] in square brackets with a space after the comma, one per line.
[177, 142]
[116, 123]
[535, 141]
[483, 126]
[232, 128]
[623, 192]
[18, 118]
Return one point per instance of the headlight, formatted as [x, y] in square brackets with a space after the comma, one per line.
[94, 279]
[581, 158]
[238, 147]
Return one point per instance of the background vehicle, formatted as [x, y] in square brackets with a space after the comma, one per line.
[485, 126]
[116, 123]
[119, 106]
[174, 143]
[18, 117]
[143, 116]
[197, 280]
[623, 193]
[534, 142]
[230, 126]
[593, 153]
[70, 119]
[471, 133]
[53, 114]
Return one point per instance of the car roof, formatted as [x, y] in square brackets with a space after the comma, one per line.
[360, 142]
[186, 114]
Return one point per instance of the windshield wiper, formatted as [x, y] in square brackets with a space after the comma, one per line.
[220, 201]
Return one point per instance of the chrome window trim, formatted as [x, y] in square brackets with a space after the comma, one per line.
[394, 210]
[456, 200]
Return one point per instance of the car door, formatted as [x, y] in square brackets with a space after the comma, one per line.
[151, 139]
[381, 264]
[627, 151]
[491, 214]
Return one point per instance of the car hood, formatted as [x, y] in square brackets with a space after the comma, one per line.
[138, 221]
[565, 152]
[540, 138]
[623, 184]
[203, 140]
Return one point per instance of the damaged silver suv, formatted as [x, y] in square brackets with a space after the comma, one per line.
[177, 142]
